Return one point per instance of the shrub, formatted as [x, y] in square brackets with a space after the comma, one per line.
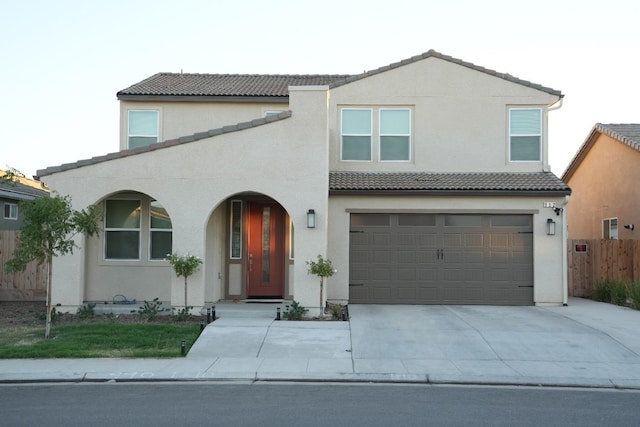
[150, 310]
[603, 291]
[86, 311]
[634, 295]
[618, 292]
[295, 311]
[55, 315]
[183, 314]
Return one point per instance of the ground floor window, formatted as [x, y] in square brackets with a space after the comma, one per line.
[610, 228]
[132, 224]
[10, 211]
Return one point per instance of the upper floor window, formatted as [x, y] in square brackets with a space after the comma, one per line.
[356, 134]
[395, 135]
[610, 228]
[392, 135]
[525, 134]
[143, 128]
[10, 211]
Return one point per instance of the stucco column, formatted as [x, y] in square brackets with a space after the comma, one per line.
[309, 106]
[68, 278]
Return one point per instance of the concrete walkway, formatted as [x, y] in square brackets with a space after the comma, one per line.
[586, 344]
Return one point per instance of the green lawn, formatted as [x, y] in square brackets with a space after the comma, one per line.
[73, 340]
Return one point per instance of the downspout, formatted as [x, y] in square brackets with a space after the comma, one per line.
[565, 254]
[565, 229]
[551, 107]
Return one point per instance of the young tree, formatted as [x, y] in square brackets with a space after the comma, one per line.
[49, 227]
[321, 268]
[184, 266]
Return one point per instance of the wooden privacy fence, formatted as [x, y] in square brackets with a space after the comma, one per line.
[29, 285]
[592, 261]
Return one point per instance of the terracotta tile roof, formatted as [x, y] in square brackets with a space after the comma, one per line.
[532, 183]
[628, 133]
[625, 133]
[233, 85]
[265, 85]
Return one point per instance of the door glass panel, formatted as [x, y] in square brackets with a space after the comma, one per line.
[510, 220]
[369, 219]
[422, 220]
[463, 220]
[266, 244]
[236, 229]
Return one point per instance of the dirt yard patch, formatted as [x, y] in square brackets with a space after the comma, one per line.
[20, 313]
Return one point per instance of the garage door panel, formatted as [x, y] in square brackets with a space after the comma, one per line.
[381, 293]
[406, 293]
[464, 259]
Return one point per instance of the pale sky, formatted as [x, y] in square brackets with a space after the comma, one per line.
[63, 61]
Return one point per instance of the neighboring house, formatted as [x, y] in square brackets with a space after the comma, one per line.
[604, 176]
[11, 194]
[424, 181]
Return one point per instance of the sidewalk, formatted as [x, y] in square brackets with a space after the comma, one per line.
[586, 344]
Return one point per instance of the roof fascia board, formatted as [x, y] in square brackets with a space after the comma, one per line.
[581, 154]
[204, 98]
[433, 54]
[480, 193]
[16, 195]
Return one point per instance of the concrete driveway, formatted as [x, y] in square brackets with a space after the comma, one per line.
[586, 343]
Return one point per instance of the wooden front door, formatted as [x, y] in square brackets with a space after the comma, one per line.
[265, 250]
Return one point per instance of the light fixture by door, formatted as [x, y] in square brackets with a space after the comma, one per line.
[551, 227]
[311, 218]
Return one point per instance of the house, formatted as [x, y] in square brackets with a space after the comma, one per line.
[12, 193]
[424, 182]
[605, 203]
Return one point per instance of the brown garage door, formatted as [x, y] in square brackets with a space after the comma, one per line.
[441, 259]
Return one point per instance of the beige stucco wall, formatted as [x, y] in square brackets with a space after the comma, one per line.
[286, 160]
[549, 286]
[459, 125]
[178, 119]
[605, 186]
[460, 117]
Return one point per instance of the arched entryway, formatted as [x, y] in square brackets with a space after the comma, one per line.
[258, 248]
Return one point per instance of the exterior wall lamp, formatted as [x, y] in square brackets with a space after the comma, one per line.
[311, 218]
[551, 227]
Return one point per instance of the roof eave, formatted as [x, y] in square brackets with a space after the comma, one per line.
[203, 98]
[480, 193]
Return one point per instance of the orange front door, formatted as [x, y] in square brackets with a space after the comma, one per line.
[265, 257]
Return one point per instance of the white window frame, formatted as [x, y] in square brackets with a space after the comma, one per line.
[161, 230]
[130, 135]
[606, 222]
[13, 211]
[538, 134]
[370, 134]
[380, 135]
[139, 230]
